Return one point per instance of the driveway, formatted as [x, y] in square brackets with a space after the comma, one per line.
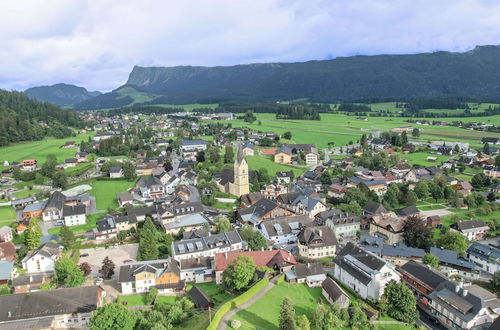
[116, 254]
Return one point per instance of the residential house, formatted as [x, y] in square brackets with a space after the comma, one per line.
[486, 257]
[407, 212]
[150, 187]
[421, 279]
[334, 294]
[279, 261]
[42, 259]
[6, 271]
[284, 230]
[343, 224]
[284, 177]
[317, 242]
[198, 270]
[388, 226]
[283, 155]
[140, 277]
[363, 271]
[248, 148]
[311, 273]
[453, 263]
[34, 210]
[7, 251]
[207, 246]
[74, 215]
[264, 209]
[124, 198]
[19, 204]
[106, 229]
[53, 309]
[337, 190]
[473, 230]
[54, 208]
[6, 234]
[491, 171]
[457, 308]
[115, 172]
[29, 165]
[30, 283]
[400, 253]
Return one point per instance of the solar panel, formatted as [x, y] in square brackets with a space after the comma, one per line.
[294, 225]
[181, 248]
[278, 228]
[199, 246]
[190, 246]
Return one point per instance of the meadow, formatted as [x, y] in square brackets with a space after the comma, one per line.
[41, 149]
[341, 129]
[264, 161]
[105, 192]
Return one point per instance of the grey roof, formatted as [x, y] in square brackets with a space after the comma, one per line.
[408, 211]
[6, 268]
[255, 212]
[115, 169]
[224, 176]
[200, 298]
[4, 230]
[29, 279]
[452, 258]
[423, 274]
[46, 303]
[193, 142]
[147, 182]
[22, 201]
[485, 252]
[193, 263]
[401, 250]
[372, 244]
[469, 224]
[317, 236]
[333, 289]
[205, 243]
[372, 207]
[105, 224]
[73, 210]
[309, 269]
[336, 217]
[359, 263]
[288, 225]
[56, 201]
[187, 220]
[48, 250]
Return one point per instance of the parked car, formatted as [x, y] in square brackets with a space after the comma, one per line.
[127, 261]
[84, 255]
[99, 281]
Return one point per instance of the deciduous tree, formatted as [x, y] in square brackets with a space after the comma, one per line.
[108, 268]
[401, 303]
[68, 274]
[239, 273]
[113, 317]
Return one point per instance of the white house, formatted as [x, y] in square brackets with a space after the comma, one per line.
[43, 259]
[363, 272]
[207, 246]
[485, 256]
[472, 229]
[115, 172]
[284, 230]
[74, 215]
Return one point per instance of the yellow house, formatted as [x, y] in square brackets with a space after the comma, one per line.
[283, 155]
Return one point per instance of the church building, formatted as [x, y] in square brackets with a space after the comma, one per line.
[235, 181]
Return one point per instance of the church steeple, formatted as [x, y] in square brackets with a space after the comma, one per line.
[241, 179]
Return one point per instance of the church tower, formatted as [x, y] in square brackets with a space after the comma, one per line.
[241, 185]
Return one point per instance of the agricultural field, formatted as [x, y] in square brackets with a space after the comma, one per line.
[7, 215]
[264, 313]
[25, 193]
[420, 158]
[341, 129]
[41, 149]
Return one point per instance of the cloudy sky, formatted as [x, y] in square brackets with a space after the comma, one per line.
[95, 43]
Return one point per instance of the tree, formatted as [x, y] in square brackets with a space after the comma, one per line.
[257, 241]
[359, 320]
[431, 260]
[108, 268]
[411, 198]
[33, 235]
[129, 173]
[287, 315]
[59, 180]
[353, 207]
[68, 274]
[495, 282]
[287, 135]
[415, 132]
[112, 317]
[436, 192]
[229, 155]
[400, 302]
[404, 138]
[151, 296]
[391, 197]
[416, 234]
[223, 224]
[480, 180]
[49, 167]
[303, 323]
[239, 273]
[148, 244]
[452, 240]
[497, 161]
[486, 148]
[422, 190]
[86, 268]
[67, 238]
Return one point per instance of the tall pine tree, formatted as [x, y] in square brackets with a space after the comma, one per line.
[148, 247]
[287, 315]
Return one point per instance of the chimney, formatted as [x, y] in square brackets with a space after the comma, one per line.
[464, 292]
[457, 288]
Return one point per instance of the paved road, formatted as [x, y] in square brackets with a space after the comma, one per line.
[424, 319]
[224, 322]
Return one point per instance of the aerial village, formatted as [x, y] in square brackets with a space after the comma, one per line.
[191, 216]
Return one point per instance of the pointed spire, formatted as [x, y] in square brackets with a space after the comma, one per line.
[240, 155]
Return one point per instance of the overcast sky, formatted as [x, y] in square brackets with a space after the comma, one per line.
[96, 43]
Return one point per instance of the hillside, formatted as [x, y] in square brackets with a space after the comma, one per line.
[61, 94]
[21, 117]
[474, 74]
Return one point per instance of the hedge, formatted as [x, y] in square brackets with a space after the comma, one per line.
[280, 279]
[235, 302]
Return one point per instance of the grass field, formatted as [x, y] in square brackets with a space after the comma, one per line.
[134, 300]
[105, 192]
[264, 161]
[7, 215]
[264, 314]
[40, 149]
[341, 129]
[26, 193]
[420, 158]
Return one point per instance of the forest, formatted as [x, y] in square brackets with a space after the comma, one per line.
[24, 119]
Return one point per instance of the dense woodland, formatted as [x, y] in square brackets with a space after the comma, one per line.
[103, 101]
[24, 119]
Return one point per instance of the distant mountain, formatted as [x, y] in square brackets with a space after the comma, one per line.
[61, 94]
[473, 74]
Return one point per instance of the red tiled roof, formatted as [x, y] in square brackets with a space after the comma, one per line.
[261, 258]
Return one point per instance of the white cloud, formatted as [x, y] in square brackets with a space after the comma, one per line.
[96, 43]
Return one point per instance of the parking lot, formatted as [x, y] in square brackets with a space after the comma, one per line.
[117, 254]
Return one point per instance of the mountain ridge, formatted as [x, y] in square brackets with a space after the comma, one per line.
[61, 94]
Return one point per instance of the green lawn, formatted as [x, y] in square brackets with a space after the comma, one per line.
[264, 314]
[431, 207]
[214, 291]
[7, 213]
[91, 223]
[26, 193]
[134, 300]
[421, 158]
[167, 299]
[105, 192]
[264, 161]
[40, 149]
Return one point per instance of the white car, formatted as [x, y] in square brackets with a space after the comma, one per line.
[99, 281]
